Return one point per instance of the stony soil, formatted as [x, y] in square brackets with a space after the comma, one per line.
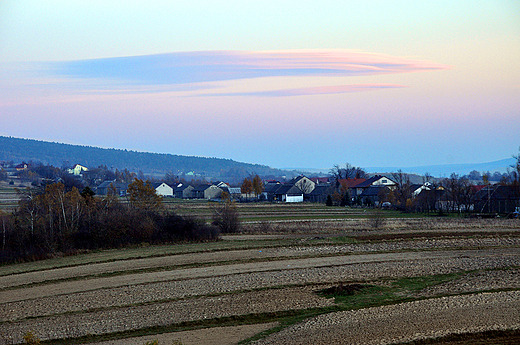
[407, 321]
[77, 301]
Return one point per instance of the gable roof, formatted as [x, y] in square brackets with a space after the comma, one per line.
[288, 189]
[155, 185]
[182, 187]
[271, 187]
[497, 192]
[319, 180]
[320, 190]
[371, 180]
[201, 187]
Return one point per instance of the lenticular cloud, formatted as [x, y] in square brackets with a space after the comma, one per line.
[212, 66]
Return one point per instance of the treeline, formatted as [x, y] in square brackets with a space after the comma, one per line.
[57, 154]
[57, 220]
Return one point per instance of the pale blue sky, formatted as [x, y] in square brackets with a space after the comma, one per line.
[466, 109]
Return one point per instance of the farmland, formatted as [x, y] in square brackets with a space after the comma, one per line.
[295, 274]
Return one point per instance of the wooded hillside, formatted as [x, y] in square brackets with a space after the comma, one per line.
[57, 154]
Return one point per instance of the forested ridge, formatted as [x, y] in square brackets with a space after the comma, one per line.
[57, 154]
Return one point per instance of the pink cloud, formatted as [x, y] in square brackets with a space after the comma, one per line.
[317, 90]
[196, 71]
[211, 66]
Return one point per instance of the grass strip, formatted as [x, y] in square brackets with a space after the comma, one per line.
[199, 324]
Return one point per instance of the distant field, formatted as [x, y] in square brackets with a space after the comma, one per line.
[8, 196]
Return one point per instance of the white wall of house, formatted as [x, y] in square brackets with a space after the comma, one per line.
[306, 185]
[164, 190]
[77, 170]
[294, 198]
[384, 181]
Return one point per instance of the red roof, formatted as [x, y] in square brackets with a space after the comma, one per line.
[351, 182]
[476, 188]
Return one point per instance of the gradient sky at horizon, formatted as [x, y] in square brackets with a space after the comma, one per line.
[290, 84]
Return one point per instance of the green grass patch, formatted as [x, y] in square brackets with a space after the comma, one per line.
[396, 291]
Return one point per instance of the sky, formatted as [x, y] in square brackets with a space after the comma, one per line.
[289, 84]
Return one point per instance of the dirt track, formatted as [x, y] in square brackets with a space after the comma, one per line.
[153, 297]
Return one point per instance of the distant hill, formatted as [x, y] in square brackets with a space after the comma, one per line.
[50, 153]
[447, 169]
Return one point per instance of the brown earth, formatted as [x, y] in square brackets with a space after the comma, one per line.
[77, 301]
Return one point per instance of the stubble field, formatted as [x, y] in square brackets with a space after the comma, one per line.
[297, 274]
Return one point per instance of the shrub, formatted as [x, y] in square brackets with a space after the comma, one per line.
[328, 202]
[225, 217]
[377, 220]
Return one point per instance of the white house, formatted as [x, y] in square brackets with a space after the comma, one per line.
[163, 189]
[289, 193]
[376, 180]
[77, 170]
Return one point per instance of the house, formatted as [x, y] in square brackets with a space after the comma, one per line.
[349, 184]
[183, 191]
[233, 192]
[270, 189]
[319, 194]
[77, 170]
[497, 199]
[163, 189]
[205, 191]
[319, 180]
[288, 193]
[372, 195]
[112, 188]
[416, 189]
[221, 184]
[303, 183]
[377, 180]
[21, 167]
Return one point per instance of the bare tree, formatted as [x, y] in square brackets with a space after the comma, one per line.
[258, 185]
[349, 171]
[402, 192]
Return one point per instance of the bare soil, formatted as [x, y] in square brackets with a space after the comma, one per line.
[153, 293]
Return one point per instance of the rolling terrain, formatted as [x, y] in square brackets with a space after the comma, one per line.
[411, 279]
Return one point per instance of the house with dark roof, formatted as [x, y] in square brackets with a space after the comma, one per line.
[112, 187]
[77, 170]
[349, 184]
[373, 194]
[270, 189]
[377, 180]
[163, 189]
[497, 199]
[319, 193]
[320, 180]
[21, 167]
[205, 191]
[235, 193]
[305, 184]
[183, 191]
[432, 199]
[417, 188]
[288, 193]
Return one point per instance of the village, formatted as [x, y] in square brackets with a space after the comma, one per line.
[349, 186]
